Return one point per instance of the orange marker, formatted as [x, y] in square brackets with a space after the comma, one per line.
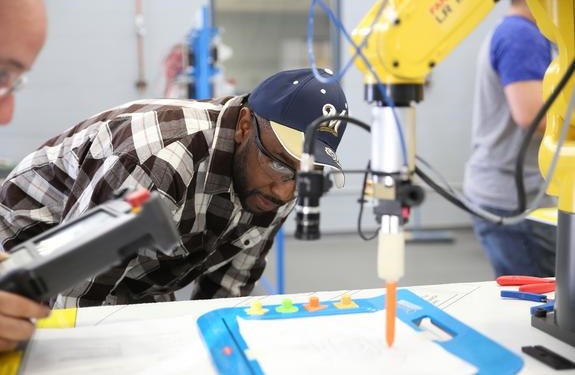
[390, 306]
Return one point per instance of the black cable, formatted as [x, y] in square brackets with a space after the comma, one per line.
[445, 194]
[453, 199]
[521, 197]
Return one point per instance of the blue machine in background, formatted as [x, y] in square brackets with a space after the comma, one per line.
[202, 58]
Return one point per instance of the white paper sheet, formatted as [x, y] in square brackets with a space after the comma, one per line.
[345, 344]
[158, 346]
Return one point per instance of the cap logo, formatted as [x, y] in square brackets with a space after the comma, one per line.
[331, 126]
[331, 154]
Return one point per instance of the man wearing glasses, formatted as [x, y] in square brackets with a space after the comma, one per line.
[225, 167]
[22, 35]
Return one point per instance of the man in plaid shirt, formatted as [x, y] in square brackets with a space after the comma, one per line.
[225, 167]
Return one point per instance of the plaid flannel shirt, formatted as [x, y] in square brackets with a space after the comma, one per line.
[181, 148]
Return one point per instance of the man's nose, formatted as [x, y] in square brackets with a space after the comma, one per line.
[6, 109]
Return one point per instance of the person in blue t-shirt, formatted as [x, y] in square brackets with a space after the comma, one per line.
[508, 94]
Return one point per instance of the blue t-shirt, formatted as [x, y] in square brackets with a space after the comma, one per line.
[509, 57]
[516, 51]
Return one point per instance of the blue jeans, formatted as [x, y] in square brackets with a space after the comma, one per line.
[527, 248]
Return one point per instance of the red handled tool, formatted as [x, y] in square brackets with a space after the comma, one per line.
[529, 284]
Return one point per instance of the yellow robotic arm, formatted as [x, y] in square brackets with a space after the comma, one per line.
[405, 40]
[410, 37]
[556, 20]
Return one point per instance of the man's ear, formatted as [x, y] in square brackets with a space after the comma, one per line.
[243, 125]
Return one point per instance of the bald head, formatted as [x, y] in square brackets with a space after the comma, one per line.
[22, 35]
[22, 30]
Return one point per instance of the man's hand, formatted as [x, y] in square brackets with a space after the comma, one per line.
[16, 313]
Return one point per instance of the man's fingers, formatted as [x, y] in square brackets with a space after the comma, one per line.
[7, 345]
[21, 307]
[3, 255]
[15, 314]
[14, 329]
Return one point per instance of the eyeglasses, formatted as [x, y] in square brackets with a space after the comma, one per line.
[11, 81]
[276, 169]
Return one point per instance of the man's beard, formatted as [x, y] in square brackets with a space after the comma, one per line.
[240, 182]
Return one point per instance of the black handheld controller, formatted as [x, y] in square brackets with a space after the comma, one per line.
[105, 235]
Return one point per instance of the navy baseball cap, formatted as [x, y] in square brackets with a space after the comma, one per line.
[291, 100]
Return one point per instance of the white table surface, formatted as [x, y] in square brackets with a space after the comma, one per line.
[478, 305]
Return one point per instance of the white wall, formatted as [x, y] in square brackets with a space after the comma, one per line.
[265, 42]
[89, 64]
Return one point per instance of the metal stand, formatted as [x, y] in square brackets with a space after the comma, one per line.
[548, 325]
[561, 322]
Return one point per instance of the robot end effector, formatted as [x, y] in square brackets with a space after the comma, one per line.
[390, 184]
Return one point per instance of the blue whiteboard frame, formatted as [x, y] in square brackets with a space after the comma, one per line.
[219, 329]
